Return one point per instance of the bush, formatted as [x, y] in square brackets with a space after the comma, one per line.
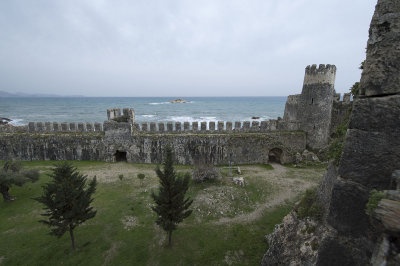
[309, 206]
[374, 199]
[141, 177]
[203, 172]
[336, 145]
[121, 176]
[11, 174]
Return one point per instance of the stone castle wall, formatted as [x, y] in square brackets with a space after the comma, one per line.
[309, 119]
[243, 148]
[317, 109]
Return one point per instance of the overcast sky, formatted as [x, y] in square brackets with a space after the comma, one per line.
[178, 48]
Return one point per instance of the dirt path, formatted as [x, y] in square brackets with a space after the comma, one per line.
[290, 189]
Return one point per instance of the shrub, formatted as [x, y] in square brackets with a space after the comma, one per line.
[205, 172]
[11, 174]
[309, 206]
[374, 199]
[336, 145]
[141, 177]
[121, 176]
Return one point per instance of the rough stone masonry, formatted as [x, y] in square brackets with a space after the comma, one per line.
[371, 154]
[309, 120]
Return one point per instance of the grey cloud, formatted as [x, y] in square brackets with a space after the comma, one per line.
[189, 48]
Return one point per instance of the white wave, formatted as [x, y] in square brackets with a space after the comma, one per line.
[183, 119]
[149, 116]
[17, 122]
[160, 103]
[208, 118]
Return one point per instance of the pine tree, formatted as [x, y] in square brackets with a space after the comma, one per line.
[67, 202]
[171, 205]
[11, 174]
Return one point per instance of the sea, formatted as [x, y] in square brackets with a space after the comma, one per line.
[147, 109]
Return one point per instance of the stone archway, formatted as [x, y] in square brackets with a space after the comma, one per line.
[120, 156]
[275, 155]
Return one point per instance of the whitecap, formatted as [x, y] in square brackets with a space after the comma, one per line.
[160, 103]
[208, 118]
[182, 119]
[149, 116]
[17, 122]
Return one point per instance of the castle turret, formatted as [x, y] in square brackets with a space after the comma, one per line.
[313, 107]
[128, 115]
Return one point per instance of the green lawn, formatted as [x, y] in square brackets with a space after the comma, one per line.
[123, 231]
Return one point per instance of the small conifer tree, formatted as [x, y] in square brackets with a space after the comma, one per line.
[67, 202]
[171, 205]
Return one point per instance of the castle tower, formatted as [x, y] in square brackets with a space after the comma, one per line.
[313, 107]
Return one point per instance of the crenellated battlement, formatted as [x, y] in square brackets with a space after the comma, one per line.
[320, 75]
[220, 127]
[54, 127]
[322, 68]
[346, 97]
[309, 119]
[127, 115]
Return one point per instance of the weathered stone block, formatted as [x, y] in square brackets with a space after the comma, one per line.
[98, 127]
[40, 126]
[388, 212]
[153, 127]
[380, 114]
[136, 127]
[161, 127]
[381, 72]
[220, 126]
[246, 125]
[211, 126]
[229, 126]
[81, 127]
[72, 126]
[203, 126]
[325, 188]
[48, 127]
[238, 126]
[64, 127]
[170, 127]
[186, 126]
[56, 127]
[89, 127]
[32, 127]
[347, 208]
[370, 158]
[178, 126]
[332, 253]
[195, 126]
[273, 125]
[264, 126]
[144, 127]
[255, 126]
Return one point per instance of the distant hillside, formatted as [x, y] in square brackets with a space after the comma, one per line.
[4, 94]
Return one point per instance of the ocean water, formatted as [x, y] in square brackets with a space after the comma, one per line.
[147, 109]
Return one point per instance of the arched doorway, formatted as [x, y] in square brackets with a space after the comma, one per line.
[120, 156]
[275, 155]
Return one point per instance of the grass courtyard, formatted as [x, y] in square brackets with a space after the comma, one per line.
[227, 226]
